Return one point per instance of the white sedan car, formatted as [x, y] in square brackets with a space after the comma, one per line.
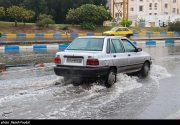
[101, 57]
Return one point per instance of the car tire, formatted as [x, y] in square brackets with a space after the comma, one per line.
[145, 70]
[111, 78]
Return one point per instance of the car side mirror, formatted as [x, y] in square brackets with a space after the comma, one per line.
[139, 50]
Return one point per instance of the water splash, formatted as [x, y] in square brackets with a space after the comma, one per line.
[158, 72]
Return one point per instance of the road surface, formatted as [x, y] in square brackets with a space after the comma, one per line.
[33, 93]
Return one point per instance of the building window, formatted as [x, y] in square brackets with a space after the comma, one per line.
[174, 10]
[166, 5]
[140, 8]
[178, 11]
[155, 6]
[166, 13]
[132, 9]
[150, 6]
[150, 13]
[174, 1]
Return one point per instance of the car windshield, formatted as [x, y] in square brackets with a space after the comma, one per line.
[87, 44]
[114, 29]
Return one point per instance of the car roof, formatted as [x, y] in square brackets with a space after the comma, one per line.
[103, 37]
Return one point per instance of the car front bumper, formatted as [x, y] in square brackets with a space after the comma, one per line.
[83, 72]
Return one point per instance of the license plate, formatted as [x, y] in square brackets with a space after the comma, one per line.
[74, 60]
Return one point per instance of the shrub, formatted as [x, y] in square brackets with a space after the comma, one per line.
[2, 11]
[88, 26]
[88, 13]
[65, 28]
[174, 26]
[44, 20]
[126, 23]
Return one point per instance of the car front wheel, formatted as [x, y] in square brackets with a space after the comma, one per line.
[111, 78]
[145, 70]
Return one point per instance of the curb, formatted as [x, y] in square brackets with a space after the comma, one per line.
[39, 48]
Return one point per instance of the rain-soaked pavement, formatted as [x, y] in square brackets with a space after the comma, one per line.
[31, 93]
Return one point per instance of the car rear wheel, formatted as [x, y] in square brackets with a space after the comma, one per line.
[145, 70]
[111, 78]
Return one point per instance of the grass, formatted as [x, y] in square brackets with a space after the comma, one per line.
[149, 29]
[8, 27]
[8, 24]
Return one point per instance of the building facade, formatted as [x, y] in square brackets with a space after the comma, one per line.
[151, 12]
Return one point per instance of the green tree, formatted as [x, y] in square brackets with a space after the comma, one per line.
[2, 11]
[88, 13]
[57, 8]
[27, 15]
[9, 3]
[126, 23]
[38, 6]
[174, 26]
[44, 20]
[16, 13]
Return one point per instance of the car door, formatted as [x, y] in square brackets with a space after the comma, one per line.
[120, 32]
[118, 55]
[135, 59]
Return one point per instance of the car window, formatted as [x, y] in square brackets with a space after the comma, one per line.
[87, 44]
[128, 46]
[125, 29]
[114, 29]
[117, 46]
[112, 48]
[108, 46]
[120, 29]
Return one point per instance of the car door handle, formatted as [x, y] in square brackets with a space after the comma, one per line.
[129, 54]
[114, 56]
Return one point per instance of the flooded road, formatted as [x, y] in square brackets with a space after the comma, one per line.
[31, 93]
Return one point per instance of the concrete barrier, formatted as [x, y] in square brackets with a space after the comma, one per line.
[170, 42]
[163, 34]
[21, 35]
[12, 49]
[39, 35]
[136, 34]
[150, 43]
[40, 48]
[62, 47]
[74, 35]
[57, 35]
[135, 43]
